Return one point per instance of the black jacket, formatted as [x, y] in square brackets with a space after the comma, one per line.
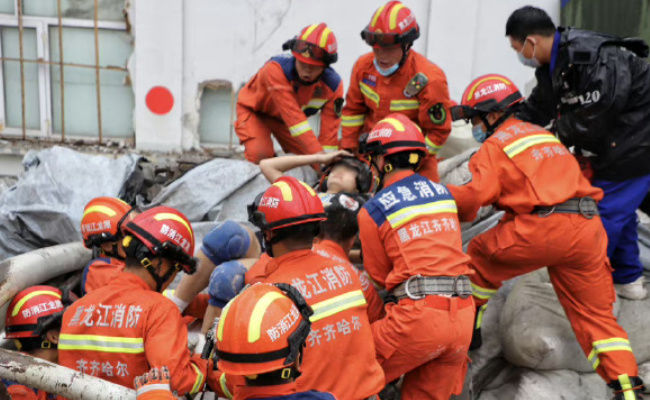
[599, 97]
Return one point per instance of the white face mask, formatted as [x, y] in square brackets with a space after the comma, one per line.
[387, 71]
[529, 62]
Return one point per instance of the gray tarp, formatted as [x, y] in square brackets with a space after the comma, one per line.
[45, 206]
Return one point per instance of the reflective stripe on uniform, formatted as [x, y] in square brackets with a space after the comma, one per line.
[315, 103]
[606, 345]
[481, 292]
[353, 120]
[300, 128]
[200, 378]
[224, 387]
[522, 144]
[337, 304]
[151, 387]
[479, 316]
[401, 105]
[626, 387]
[330, 148]
[369, 93]
[106, 344]
[404, 215]
[431, 146]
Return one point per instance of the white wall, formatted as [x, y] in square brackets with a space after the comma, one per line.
[231, 39]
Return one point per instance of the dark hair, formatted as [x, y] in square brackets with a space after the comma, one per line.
[402, 159]
[341, 223]
[529, 20]
[303, 233]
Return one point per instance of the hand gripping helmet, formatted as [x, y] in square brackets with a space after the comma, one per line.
[102, 220]
[365, 178]
[32, 313]
[393, 135]
[287, 202]
[392, 24]
[486, 94]
[161, 232]
[315, 45]
[263, 330]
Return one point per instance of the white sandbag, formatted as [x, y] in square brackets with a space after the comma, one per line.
[535, 331]
[460, 139]
[634, 317]
[561, 385]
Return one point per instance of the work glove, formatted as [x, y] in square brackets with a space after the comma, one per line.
[154, 385]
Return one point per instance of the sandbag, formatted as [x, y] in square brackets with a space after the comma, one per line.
[535, 331]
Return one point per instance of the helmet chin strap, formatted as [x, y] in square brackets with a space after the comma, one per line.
[490, 128]
[160, 280]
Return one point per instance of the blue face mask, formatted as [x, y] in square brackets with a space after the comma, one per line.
[479, 134]
[385, 72]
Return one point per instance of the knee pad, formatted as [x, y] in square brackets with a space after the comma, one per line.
[227, 241]
[226, 281]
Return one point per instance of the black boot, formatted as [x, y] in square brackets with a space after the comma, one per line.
[627, 388]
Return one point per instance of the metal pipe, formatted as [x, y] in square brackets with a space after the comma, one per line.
[22, 68]
[98, 84]
[58, 380]
[61, 79]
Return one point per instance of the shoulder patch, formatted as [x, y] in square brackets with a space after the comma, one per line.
[331, 78]
[415, 85]
[338, 107]
[438, 114]
[287, 64]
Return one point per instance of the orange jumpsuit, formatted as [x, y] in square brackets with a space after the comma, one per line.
[274, 102]
[339, 356]
[22, 392]
[122, 330]
[411, 228]
[99, 271]
[371, 97]
[517, 168]
[332, 250]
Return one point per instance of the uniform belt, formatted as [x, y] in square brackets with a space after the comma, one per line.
[417, 287]
[586, 206]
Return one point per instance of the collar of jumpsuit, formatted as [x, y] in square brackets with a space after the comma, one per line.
[123, 277]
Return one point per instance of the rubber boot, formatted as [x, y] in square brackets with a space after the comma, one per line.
[627, 388]
[477, 339]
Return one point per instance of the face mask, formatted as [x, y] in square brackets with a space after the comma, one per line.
[529, 62]
[386, 72]
[479, 134]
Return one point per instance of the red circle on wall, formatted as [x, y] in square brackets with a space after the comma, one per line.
[160, 100]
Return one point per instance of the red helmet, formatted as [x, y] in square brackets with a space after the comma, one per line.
[394, 134]
[315, 45]
[486, 94]
[161, 231]
[286, 203]
[262, 330]
[102, 219]
[392, 24]
[30, 310]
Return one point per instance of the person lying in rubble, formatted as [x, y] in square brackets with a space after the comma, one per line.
[231, 240]
[33, 321]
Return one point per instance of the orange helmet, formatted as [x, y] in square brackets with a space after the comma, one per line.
[394, 134]
[392, 24]
[31, 310]
[262, 330]
[287, 202]
[486, 94]
[102, 219]
[315, 45]
[161, 231]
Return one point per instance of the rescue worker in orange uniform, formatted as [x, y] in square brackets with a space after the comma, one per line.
[33, 321]
[123, 329]
[396, 78]
[551, 220]
[101, 229]
[337, 237]
[287, 90]
[411, 243]
[289, 214]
